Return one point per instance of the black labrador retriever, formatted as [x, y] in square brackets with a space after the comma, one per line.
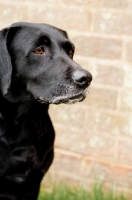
[36, 69]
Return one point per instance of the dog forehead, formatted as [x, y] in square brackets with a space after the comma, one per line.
[29, 33]
[32, 30]
[50, 31]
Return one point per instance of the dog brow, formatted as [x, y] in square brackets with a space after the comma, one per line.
[68, 45]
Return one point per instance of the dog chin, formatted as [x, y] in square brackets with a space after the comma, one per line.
[67, 99]
[71, 99]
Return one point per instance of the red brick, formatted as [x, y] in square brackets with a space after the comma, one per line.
[102, 98]
[75, 2]
[108, 173]
[39, 14]
[100, 122]
[109, 75]
[126, 100]
[93, 122]
[128, 47]
[116, 4]
[125, 149]
[127, 76]
[68, 115]
[104, 74]
[113, 23]
[125, 180]
[102, 172]
[40, 2]
[62, 178]
[69, 139]
[73, 18]
[34, 2]
[67, 163]
[129, 4]
[83, 142]
[98, 47]
[12, 13]
[3, 25]
[86, 166]
[86, 64]
[126, 125]
[99, 145]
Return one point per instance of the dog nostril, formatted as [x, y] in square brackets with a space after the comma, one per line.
[79, 76]
[89, 77]
[82, 80]
[82, 77]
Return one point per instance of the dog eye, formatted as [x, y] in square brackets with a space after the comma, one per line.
[39, 50]
[70, 53]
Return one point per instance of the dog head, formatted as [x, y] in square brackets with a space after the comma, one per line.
[37, 60]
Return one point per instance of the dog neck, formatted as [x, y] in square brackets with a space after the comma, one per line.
[16, 110]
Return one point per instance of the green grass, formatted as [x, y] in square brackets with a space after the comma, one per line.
[64, 192]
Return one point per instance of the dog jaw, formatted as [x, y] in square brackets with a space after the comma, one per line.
[67, 99]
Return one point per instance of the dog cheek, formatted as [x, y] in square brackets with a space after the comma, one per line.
[37, 91]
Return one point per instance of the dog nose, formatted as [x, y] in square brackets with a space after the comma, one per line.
[82, 78]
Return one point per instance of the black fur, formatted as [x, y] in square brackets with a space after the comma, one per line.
[29, 82]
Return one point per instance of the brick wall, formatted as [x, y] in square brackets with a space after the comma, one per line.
[94, 137]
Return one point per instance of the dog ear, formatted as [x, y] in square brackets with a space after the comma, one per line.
[64, 33]
[5, 63]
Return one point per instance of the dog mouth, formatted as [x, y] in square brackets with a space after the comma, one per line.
[67, 99]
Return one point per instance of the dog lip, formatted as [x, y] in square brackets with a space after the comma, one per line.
[42, 100]
[74, 98]
[64, 99]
